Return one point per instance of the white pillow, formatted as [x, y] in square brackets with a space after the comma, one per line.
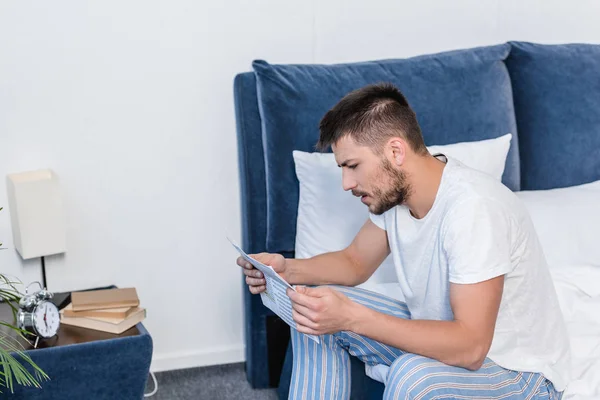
[329, 217]
[488, 156]
[566, 221]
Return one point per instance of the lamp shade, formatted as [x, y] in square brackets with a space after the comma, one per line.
[36, 213]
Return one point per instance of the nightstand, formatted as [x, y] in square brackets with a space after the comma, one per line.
[86, 364]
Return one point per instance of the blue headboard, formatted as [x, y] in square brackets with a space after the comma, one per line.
[253, 195]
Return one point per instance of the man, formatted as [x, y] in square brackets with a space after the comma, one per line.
[481, 318]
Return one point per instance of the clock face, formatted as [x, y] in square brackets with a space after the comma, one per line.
[46, 319]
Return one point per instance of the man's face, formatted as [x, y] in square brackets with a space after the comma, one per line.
[370, 176]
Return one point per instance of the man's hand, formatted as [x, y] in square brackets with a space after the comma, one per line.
[321, 310]
[254, 278]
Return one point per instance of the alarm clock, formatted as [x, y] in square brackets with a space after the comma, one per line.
[37, 315]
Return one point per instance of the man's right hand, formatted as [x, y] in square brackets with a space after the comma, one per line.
[254, 278]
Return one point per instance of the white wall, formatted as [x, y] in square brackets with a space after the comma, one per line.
[131, 103]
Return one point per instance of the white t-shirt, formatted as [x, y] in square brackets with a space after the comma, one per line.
[477, 229]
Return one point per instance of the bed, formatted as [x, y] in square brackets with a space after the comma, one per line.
[547, 96]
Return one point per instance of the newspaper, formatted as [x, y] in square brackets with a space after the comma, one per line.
[275, 297]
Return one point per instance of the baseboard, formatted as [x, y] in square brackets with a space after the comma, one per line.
[198, 358]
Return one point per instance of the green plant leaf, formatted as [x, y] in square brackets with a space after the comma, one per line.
[14, 362]
[14, 328]
[13, 369]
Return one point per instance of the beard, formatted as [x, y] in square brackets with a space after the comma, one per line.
[398, 189]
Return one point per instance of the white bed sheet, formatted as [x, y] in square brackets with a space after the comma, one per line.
[578, 289]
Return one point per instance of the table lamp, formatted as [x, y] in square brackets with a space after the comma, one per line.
[36, 214]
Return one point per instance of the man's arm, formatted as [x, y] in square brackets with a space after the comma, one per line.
[349, 267]
[463, 342]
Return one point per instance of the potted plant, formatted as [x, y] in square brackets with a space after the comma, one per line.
[13, 360]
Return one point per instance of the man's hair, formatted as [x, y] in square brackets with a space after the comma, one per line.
[371, 115]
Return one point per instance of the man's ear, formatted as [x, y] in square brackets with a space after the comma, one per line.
[396, 151]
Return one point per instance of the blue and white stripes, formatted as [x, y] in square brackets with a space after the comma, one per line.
[322, 371]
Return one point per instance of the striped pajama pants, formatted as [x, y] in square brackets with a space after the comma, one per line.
[322, 371]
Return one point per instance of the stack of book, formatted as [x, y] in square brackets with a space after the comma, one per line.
[109, 310]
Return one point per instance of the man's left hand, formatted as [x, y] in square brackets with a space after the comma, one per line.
[321, 310]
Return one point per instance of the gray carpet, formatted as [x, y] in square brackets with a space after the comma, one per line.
[218, 382]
